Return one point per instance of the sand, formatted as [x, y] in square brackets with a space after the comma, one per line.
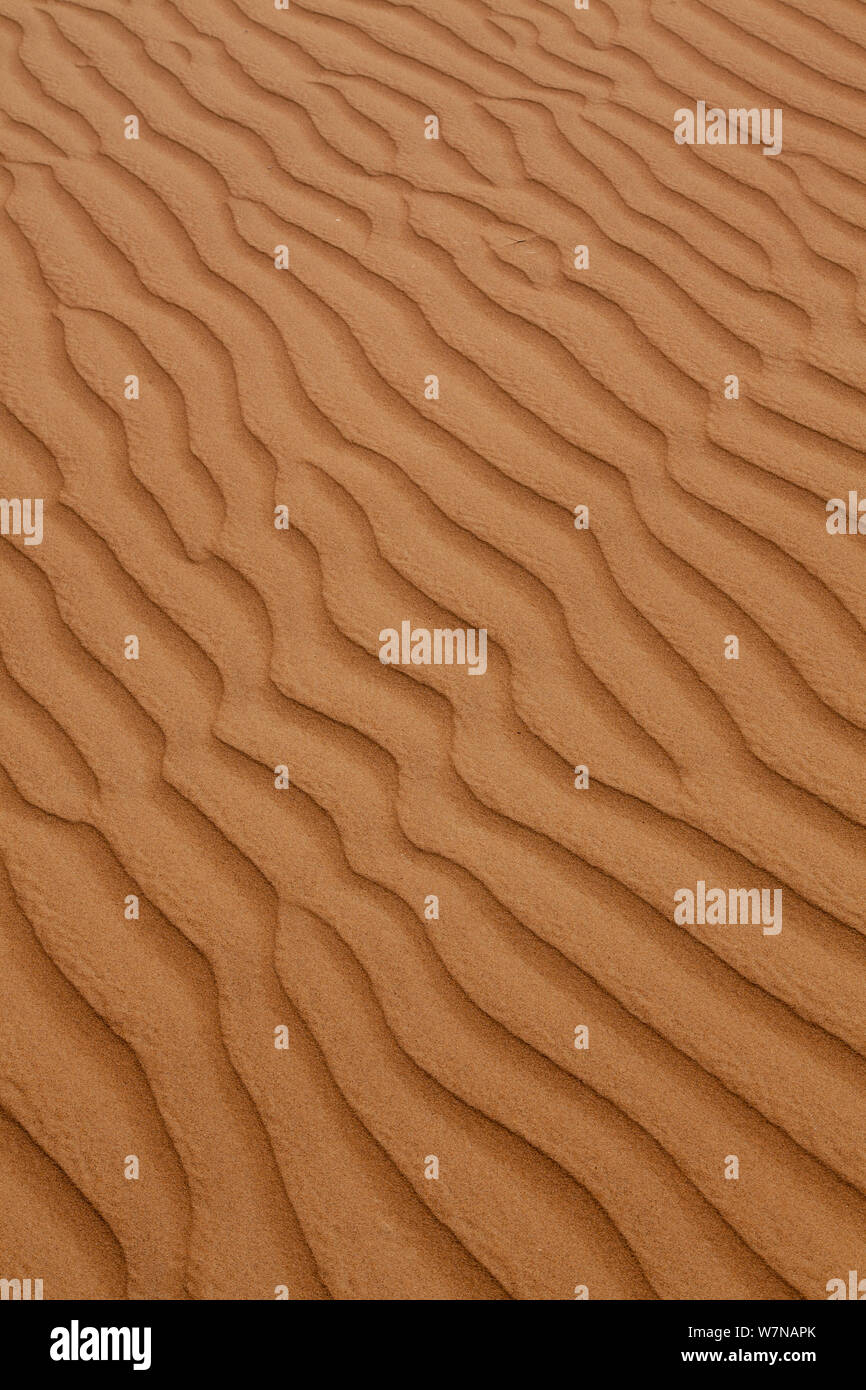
[432, 1128]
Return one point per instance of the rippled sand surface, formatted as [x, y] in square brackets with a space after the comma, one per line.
[413, 1036]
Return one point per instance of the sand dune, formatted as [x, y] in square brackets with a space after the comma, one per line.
[170, 379]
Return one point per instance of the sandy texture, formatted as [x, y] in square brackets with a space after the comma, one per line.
[412, 1036]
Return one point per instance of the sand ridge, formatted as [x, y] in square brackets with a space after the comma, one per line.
[558, 386]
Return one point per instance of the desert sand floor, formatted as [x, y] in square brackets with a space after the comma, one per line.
[300, 378]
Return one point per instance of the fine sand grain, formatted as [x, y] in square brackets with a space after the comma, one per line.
[412, 1036]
